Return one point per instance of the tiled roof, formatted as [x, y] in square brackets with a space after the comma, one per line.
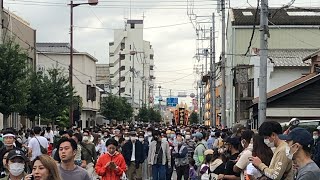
[288, 86]
[311, 55]
[291, 16]
[54, 47]
[289, 57]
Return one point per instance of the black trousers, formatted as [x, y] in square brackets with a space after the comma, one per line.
[182, 171]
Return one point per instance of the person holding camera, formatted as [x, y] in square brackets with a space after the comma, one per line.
[111, 165]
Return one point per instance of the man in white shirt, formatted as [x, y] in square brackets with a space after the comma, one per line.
[35, 142]
[49, 134]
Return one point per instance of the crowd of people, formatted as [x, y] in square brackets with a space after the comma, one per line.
[158, 152]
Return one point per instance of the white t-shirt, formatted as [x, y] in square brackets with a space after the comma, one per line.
[49, 136]
[251, 170]
[35, 147]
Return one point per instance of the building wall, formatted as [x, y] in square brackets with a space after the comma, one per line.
[131, 39]
[24, 35]
[84, 74]
[280, 38]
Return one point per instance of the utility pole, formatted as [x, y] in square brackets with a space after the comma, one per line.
[71, 63]
[202, 97]
[159, 99]
[223, 68]
[143, 81]
[200, 102]
[119, 74]
[264, 35]
[1, 10]
[132, 92]
[170, 92]
[213, 74]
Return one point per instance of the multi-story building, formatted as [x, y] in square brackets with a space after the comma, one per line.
[50, 55]
[23, 34]
[103, 77]
[132, 64]
[288, 29]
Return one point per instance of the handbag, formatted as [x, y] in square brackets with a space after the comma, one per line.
[42, 149]
[124, 176]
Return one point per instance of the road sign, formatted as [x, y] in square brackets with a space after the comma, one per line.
[172, 102]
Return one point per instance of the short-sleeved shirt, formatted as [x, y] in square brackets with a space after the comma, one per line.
[243, 161]
[78, 173]
[309, 172]
[35, 146]
[229, 165]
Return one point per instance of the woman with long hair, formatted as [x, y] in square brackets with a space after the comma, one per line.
[44, 168]
[261, 150]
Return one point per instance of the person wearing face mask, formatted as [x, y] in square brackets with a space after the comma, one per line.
[16, 165]
[88, 154]
[149, 137]
[232, 148]
[145, 171]
[133, 155]
[158, 156]
[280, 167]
[190, 143]
[180, 154]
[299, 149]
[316, 147]
[198, 155]
[111, 165]
[243, 161]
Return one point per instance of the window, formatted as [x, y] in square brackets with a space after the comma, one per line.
[130, 58]
[130, 47]
[132, 25]
[122, 46]
[130, 90]
[151, 56]
[258, 82]
[130, 79]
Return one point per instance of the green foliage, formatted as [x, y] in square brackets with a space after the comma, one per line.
[14, 81]
[115, 108]
[50, 96]
[155, 116]
[143, 115]
[194, 118]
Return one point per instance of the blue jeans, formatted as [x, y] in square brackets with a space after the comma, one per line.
[158, 172]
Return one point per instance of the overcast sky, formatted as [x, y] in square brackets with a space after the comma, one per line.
[174, 46]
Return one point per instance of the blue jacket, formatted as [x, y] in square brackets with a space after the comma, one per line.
[127, 152]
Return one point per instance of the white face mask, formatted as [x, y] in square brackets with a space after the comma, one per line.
[268, 143]
[188, 137]
[133, 138]
[149, 133]
[243, 143]
[141, 139]
[289, 156]
[315, 137]
[16, 169]
[85, 138]
[127, 138]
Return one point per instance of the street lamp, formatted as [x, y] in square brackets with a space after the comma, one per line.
[72, 5]
[159, 98]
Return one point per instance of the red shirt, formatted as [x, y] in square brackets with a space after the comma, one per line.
[105, 172]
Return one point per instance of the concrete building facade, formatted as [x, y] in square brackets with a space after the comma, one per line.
[132, 59]
[51, 55]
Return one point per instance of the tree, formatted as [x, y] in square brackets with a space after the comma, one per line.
[194, 118]
[14, 79]
[59, 93]
[143, 114]
[155, 116]
[115, 108]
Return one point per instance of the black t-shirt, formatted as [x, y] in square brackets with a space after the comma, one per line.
[228, 170]
[159, 153]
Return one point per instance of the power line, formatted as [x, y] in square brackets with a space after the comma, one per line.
[254, 28]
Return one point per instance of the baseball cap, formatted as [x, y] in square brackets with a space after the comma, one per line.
[208, 151]
[299, 135]
[235, 141]
[16, 153]
[198, 135]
